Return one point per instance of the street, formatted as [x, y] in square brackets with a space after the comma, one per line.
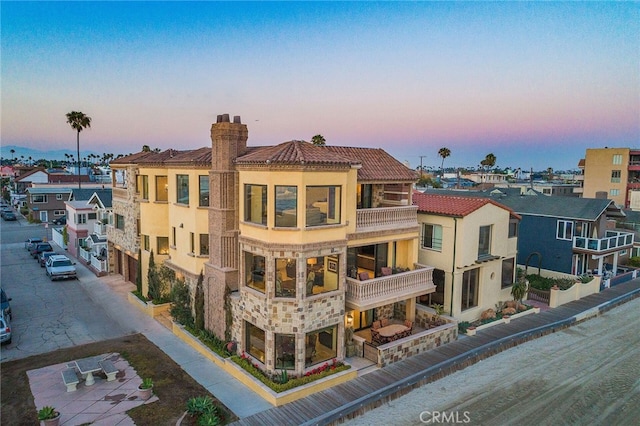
[48, 315]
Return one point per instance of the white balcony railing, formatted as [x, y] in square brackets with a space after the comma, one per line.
[92, 259]
[613, 240]
[100, 229]
[391, 288]
[386, 218]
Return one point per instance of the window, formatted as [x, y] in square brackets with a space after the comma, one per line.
[182, 189]
[565, 230]
[321, 345]
[81, 218]
[92, 216]
[163, 245]
[546, 191]
[323, 205]
[59, 197]
[615, 176]
[162, 188]
[254, 271]
[508, 269]
[38, 198]
[119, 222]
[286, 206]
[432, 237]
[192, 242]
[285, 351]
[513, 228]
[173, 236]
[204, 244]
[285, 277]
[438, 295]
[469, 289]
[59, 212]
[254, 341]
[617, 158]
[142, 186]
[145, 242]
[255, 204]
[484, 242]
[614, 192]
[365, 196]
[322, 274]
[204, 191]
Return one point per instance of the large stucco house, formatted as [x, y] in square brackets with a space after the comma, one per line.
[296, 241]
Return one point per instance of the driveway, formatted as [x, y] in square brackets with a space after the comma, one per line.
[48, 315]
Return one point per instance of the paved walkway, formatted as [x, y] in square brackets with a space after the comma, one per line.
[384, 384]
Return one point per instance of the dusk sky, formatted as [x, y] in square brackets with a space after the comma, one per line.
[533, 83]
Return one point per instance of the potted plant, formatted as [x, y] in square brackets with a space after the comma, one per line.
[471, 330]
[506, 318]
[145, 390]
[48, 416]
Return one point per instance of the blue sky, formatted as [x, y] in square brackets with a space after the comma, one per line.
[534, 83]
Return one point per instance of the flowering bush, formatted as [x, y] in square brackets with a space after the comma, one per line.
[254, 369]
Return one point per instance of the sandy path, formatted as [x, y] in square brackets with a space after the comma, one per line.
[588, 374]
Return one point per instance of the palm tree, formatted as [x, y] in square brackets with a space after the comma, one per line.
[78, 121]
[13, 151]
[318, 140]
[549, 174]
[443, 152]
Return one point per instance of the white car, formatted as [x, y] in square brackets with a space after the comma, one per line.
[60, 267]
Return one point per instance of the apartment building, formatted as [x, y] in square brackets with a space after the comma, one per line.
[612, 173]
[297, 242]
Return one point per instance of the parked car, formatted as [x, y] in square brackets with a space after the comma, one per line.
[5, 330]
[42, 258]
[6, 306]
[9, 216]
[5, 210]
[30, 241]
[60, 221]
[60, 267]
[38, 248]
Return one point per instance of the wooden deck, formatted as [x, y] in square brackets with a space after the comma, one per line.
[357, 396]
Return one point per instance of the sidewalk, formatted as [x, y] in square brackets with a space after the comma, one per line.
[112, 293]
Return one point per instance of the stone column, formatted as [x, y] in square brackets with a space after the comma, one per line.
[228, 141]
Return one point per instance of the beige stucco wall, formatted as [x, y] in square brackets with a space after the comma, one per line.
[460, 245]
[597, 173]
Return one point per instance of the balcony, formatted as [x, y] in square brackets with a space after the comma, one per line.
[384, 218]
[368, 294]
[100, 229]
[633, 186]
[612, 241]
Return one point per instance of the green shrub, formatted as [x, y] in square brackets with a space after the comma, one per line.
[210, 340]
[545, 283]
[181, 304]
[462, 327]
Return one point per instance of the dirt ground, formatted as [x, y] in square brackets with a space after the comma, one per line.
[171, 384]
[588, 374]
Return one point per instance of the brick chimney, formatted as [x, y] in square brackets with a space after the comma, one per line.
[228, 141]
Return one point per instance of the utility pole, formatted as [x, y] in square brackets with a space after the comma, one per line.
[421, 169]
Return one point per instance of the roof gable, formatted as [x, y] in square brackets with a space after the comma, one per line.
[448, 205]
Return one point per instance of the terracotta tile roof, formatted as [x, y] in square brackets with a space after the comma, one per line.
[200, 156]
[146, 157]
[581, 163]
[295, 153]
[375, 164]
[448, 205]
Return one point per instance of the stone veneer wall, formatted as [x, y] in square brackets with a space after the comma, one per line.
[127, 240]
[415, 344]
[386, 311]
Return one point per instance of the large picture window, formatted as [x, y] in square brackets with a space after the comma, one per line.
[254, 271]
[469, 289]
[285, 277]
[323, 205]
[286, 206]
[182, 189]
[255, 341]
[285, 347]
[204, 191]
[255, 204]
[432, 237]
[565, 230]
[321, 345]
[162, 188]
[322, 274]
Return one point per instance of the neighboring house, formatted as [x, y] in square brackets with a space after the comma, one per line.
[305, 238]
[568, 237]
[46, 203]
[472, 244]
[27, 178]
[546, 188]
[613, 173]
[87, 227]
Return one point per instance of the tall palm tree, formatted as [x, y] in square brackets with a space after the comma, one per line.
[13, 151]
[318, 140]
[78, 121]
[443, 152]
[488, 162]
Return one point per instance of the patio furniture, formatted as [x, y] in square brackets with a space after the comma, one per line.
[109, 369]
[70, 379]
[376, 325]
[363, 276]
[392, 331]
[86, 367]
[385, 270]
[384, 322]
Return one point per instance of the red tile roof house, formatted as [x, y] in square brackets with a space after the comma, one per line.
[472, 243]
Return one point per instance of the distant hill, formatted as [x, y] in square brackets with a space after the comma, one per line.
[35, 154]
